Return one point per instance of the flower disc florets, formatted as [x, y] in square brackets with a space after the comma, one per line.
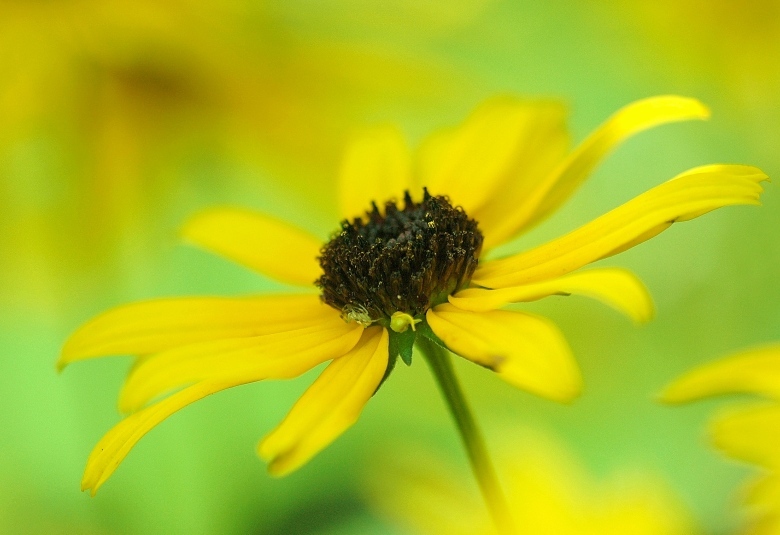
[403, 260]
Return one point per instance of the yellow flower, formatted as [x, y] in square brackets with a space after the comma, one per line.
[403, 273]
[750, 433]
[548, 493]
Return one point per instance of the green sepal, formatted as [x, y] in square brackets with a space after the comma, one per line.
[390, 367]
[402, 344]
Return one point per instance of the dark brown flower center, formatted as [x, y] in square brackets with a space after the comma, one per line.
[403, 260]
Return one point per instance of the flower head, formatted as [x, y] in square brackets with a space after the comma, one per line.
[399, 270]
[750, 433]
[399, 260]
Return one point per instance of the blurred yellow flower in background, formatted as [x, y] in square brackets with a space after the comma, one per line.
[749, 433]
[732, 43]
[105, 107]
[400, 272]
[548, 492]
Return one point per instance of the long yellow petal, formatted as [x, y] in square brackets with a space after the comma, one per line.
[567, 177]
[755, 371]
[117, 443]
[686, 196]
[259, 242]
[161, 324]
[618, 288]
[329, 407]
[376, 167]
[279, 355]
[543, 151]
[526, 350]
[750, 434]
[497, 148]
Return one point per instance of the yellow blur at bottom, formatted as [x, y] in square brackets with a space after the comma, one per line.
[548, 492]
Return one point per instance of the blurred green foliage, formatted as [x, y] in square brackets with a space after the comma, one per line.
[119, 124]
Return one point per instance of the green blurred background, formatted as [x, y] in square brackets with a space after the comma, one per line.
[119, 120]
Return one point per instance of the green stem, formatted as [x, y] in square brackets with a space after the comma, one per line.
[441, 365]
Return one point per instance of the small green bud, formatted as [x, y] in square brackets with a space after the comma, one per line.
[401, 321]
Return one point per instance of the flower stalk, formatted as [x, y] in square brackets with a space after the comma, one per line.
[440, 363]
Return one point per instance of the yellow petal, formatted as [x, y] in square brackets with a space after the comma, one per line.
[259, 242]
[755, 371]
[494, 155]
[376, 167]
[545, 149]
[329, 407]
[279, 355]
[118, 442]
[688, 195]
[626, 122]
[468, 163]
[750, 434]
[527, 351]
[161, 324]
[618, 288]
